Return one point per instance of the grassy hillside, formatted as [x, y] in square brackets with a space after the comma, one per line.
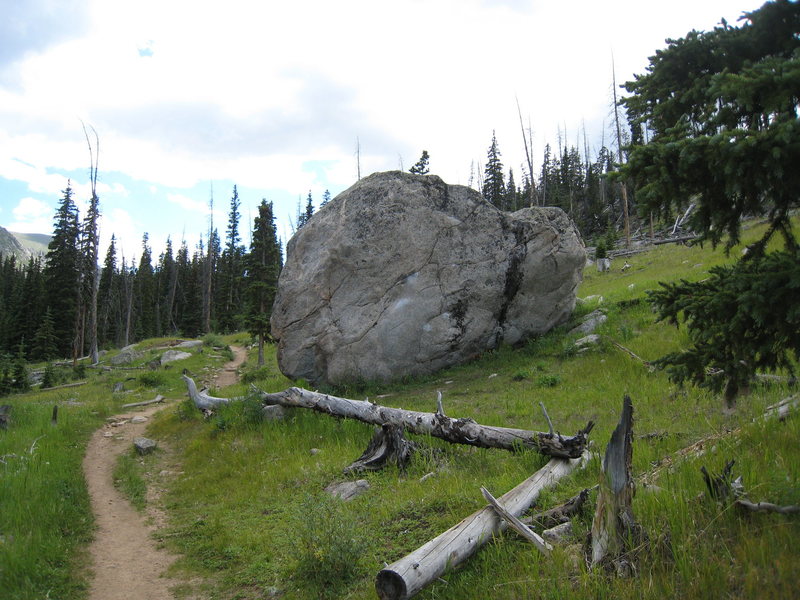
[250, 515]
[246, 508]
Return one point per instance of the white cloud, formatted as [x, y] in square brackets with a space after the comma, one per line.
[32, 216]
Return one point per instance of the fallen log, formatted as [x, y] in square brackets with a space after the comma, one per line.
[201, 400]
[726, 491]
[66, 385]
[407, 576]
[158, 399]
[459, 431]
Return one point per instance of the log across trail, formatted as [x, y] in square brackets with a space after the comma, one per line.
[458, 431]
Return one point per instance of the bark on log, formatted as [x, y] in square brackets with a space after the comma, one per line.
[459, 431]
[407, 576]
[614, 527]
[155, 400]
[388, 445]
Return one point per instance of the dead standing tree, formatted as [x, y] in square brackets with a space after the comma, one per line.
[614, 529]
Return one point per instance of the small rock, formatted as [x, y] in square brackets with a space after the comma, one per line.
[558, 534]
[493, 375]
[108, 434]
[589, 340]
[139, 419]
[347, 490]
[603, 264]
[144, 445]
[631, 286]
[117, 387]
[173, 355]
[315, 451]
[590, 322]
[190, 344]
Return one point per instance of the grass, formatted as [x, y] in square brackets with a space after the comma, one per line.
[249, 517]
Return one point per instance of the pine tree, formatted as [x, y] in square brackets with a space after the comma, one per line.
[144, 293]
[494, 189]
[722, 109]
[45, 343]
[421, 166]
[231, 270]
[61, 273]
[108, 297]
[263, 264]
[326, 197]
[304, 216]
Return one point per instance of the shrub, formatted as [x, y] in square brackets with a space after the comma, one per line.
[331, 544]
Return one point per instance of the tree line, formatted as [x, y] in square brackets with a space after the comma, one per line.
[47, 305]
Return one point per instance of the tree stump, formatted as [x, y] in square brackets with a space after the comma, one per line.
[614, 530]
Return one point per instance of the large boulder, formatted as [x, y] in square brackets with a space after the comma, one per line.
[403, 275]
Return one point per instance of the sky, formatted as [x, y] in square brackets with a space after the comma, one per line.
[189, 98]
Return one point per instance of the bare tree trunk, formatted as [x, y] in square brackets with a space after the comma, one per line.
[458, 431]
[407, 576]
[626, 220]
[614, 528]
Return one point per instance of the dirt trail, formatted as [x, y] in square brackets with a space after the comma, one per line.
[127, 565]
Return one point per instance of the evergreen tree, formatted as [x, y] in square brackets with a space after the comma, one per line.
[61, 273]
[144, 294]
[421, 166]
[494, 189]
[231, 270]
[304, 216]
[263, 264]
[326, 197]
[109, 315]
[20, 372]
[45, 342]
[723, 111]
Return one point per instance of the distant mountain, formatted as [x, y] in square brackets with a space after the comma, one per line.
[35, 242]
[23, 245]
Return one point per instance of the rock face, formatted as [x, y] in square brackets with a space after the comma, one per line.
[403, 275]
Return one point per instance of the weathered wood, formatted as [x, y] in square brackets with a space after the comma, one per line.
[559, 514]
[158, 399]
[202, 400]
[388, 445]
[66, 385]
[726, 490]
[614, 527]
[54, 416]
[517, 525]
[407, 576]
[459, 431]
[675, 240]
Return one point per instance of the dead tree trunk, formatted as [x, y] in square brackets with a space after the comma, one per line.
[407, 576]
[388, 445]
[201, 400]
[458, 431]
[614, 527]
